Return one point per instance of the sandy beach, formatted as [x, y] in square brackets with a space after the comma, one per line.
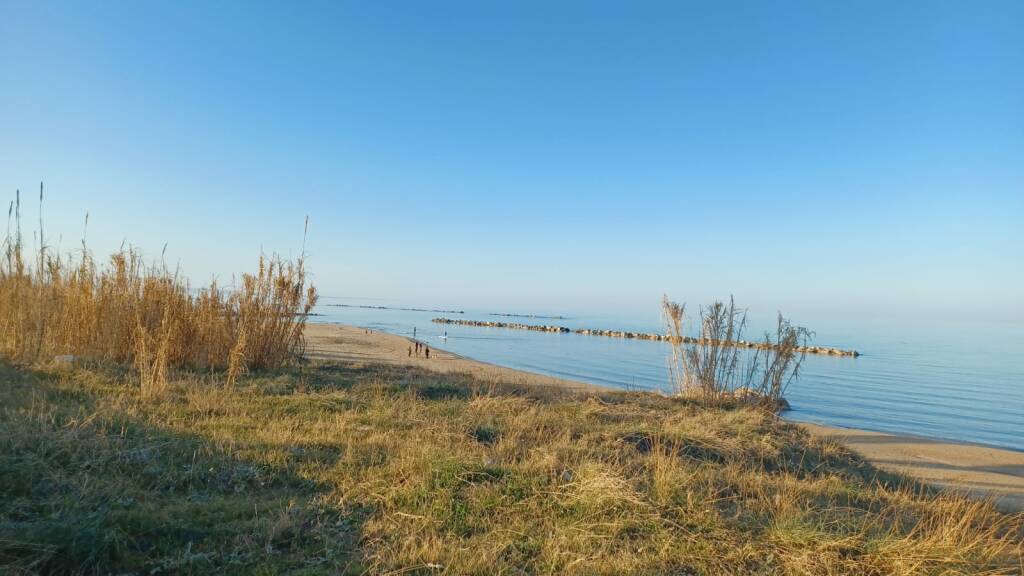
[980, 471]
[344, 343]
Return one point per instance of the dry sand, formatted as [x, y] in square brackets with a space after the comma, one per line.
[978, 470]
[340, 342]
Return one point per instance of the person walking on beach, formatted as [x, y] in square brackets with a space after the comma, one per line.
[410, 351]
[428, 352]
[413, 332]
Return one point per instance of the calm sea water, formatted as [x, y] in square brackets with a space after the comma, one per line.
[959, 382]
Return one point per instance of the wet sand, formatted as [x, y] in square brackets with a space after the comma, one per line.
[980, 471]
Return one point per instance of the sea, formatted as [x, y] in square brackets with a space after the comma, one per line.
[958, 381]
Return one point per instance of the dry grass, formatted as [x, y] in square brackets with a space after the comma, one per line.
[126, 311]
[329, 469]
[718, 365]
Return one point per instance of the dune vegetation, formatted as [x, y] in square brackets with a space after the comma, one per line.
[717, 364]
[151, 429]
[128, 311]
[330, 469]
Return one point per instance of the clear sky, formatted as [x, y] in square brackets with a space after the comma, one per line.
[859, 158]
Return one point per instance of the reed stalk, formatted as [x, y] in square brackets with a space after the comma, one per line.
[126, 311]
[715, 367]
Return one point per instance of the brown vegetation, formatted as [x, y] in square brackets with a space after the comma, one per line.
[130, 312]
[360, 468]
[714, 367]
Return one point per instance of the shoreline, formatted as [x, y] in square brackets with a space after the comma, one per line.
[348, 343]
[975, 469]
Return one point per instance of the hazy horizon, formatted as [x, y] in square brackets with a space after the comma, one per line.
[825, 161]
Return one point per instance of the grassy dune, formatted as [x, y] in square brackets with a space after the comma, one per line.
[335, 468]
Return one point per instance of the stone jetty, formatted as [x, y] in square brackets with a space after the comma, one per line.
[537, 316]
[634, 335]
[394, 308]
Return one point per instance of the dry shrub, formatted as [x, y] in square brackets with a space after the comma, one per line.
[718, 364]
[146, 315]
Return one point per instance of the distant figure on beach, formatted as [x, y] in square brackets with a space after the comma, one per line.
[410, 351]
[414, 332]
[428, 352]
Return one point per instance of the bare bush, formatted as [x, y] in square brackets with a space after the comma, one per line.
[719, 365]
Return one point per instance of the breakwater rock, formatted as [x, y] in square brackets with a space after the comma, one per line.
[636, 335]
[537, 316]
[394, 308]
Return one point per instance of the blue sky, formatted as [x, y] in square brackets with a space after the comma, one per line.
[823, 158]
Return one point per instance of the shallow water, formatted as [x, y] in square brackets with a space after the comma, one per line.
[963, 382]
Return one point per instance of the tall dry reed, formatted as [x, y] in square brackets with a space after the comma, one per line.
[719, 365]
[146, 315]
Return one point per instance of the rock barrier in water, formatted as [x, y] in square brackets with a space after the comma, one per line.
[636, 335]
[537, 316]
[368, 307]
